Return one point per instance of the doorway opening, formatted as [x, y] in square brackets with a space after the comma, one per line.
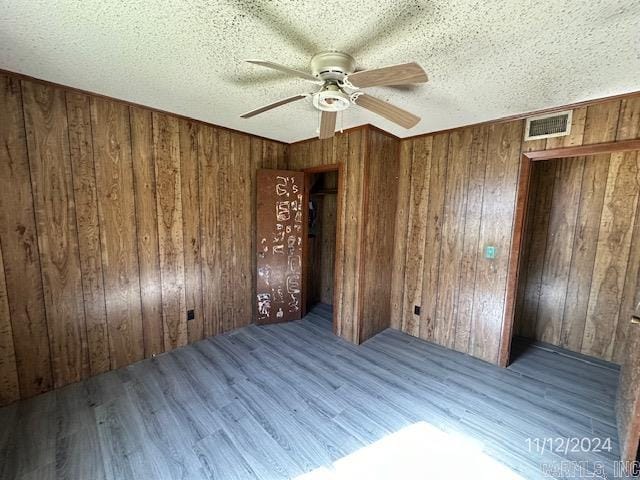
[577, 282]
[319, 284]
[581, 171]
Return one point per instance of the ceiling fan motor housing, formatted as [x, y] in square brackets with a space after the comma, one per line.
[332, 65]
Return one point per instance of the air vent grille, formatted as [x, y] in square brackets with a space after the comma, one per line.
[547, 126]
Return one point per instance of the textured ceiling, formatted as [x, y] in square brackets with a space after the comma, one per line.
[485, 59]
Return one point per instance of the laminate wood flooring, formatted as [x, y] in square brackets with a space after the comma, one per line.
[293, 400]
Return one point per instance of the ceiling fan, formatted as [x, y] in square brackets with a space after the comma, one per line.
[340, 86]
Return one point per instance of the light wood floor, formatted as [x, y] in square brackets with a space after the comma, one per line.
[287, 400]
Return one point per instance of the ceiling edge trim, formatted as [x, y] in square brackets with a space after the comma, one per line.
[508, 118]
[29, 78]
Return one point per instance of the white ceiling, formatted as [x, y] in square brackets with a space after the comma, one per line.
[485, 59]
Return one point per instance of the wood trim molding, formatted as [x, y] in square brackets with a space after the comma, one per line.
[509, 118]
[583, 150]
[522, 199]
[23, 76]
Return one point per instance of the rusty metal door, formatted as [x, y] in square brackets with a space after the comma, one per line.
[280, 226]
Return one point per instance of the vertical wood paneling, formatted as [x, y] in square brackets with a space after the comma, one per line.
[114, 176]
[401, 225]
[270, 156]
[503, 161]
[166, 140]
[628, 129]
[86, 203]
[451, 247]
[352, 233]
[258, 160]
[470, 247]
[191, 227]
[20, 247]
[433, 238]
[239, 229]
[559, 248]
[209, 222]
[594, 180]
[601, 122]
[126, 218]
[225, 231]
[378, 215]
[9, 387]
[147, 229]
[631, 293]
[612, 254]
[629, 119]
[420, 160]
[50, 165]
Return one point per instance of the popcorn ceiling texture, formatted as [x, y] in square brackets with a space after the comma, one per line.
[485, 59]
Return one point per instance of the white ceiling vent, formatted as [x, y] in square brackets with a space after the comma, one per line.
[548, 126]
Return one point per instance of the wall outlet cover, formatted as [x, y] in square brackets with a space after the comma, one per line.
[490, 252]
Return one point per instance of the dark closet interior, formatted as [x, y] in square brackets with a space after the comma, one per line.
[323, 189]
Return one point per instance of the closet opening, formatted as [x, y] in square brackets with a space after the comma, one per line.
[319, 285]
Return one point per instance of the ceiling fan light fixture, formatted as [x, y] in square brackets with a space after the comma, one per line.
[331, 100]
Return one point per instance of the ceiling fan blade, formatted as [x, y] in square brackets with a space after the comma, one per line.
[290, 71]
[393, 75]
[279, 103]
[327, 125]
[390, 112]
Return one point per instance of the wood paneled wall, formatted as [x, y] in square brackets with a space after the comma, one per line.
[581, 223]
[457, 195]
[381, 191]
[369, 161]
[114, 221]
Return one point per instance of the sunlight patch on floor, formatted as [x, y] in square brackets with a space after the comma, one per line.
[419, 451]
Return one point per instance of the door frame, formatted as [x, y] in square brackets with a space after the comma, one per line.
[339, 246]
[522, 200]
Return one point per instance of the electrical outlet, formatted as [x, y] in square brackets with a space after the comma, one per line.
[490, 252]
[191, 314]
[416, 309]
